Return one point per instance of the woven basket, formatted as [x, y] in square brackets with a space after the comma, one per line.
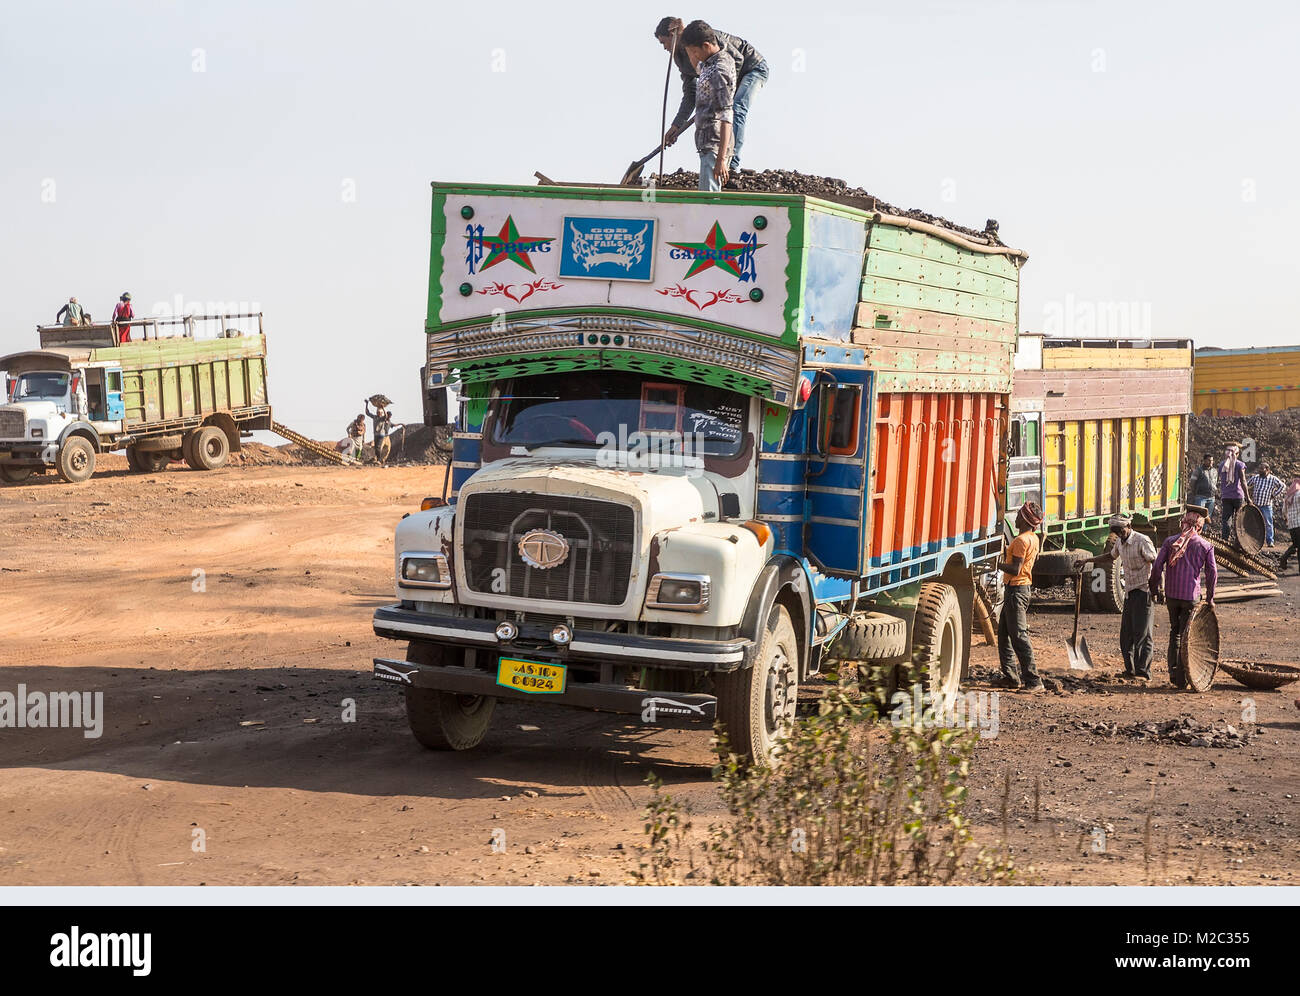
[1260, 674]
[1249, 521]
[1200, 651]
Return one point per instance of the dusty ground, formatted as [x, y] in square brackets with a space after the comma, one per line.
[100, 593]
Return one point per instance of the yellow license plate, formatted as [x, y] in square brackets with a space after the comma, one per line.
[532, 677]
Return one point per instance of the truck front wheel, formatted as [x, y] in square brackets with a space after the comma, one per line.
[756, 705]
[76, 460]
[445, 720]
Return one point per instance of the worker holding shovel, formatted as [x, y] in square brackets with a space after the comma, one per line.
[1136, 553]
[1017, 568]
[1177, 570]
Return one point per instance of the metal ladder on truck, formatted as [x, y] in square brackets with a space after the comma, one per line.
[325, 452]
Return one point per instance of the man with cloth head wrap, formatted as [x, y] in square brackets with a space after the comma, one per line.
[1178, 569]
[1136, 553]
[1013, 625]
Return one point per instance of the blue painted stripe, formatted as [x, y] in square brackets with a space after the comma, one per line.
[836, 475]
[781, 471]
[459, 475]
[466, 450]
[838, 507]
[780, 503]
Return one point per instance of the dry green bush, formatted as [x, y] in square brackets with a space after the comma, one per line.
[854, 801]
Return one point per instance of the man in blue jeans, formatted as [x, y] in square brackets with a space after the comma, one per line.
[751, 74]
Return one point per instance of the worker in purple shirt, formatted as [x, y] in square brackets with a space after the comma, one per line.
[1232, 485]
[1177, 571]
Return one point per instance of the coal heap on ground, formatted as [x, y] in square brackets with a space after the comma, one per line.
[789, 181]
[1276, 437]
[417, 444]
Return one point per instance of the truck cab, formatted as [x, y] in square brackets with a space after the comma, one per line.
[703, 445]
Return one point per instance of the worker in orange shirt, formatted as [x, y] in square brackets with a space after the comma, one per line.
[1017, 567]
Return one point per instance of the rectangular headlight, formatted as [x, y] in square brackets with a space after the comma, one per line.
[687, 592]
[424, 570]
[38, 433]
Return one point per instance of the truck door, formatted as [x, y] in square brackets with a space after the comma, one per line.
[114, 407]
[838, 445]
[1025, 462]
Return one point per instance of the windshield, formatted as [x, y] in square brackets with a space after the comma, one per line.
[610, 408]
[39, 387]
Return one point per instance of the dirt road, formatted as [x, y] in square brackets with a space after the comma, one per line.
[225, 617]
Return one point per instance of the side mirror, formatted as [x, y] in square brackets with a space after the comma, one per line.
[438, 403]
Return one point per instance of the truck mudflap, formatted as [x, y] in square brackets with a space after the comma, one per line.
[653, 708]
[586, 646]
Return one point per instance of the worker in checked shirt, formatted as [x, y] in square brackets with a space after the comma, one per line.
[1264, 489]
[1177, 571]
[1136, 553]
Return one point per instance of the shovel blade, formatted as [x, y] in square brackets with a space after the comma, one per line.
[1077, 651]
[632, 175]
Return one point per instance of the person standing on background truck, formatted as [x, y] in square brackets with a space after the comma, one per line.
[1136, 553]
[715, 91]
[1013, 624]
[122, 314]
[1177, 570]
[751, 74]
[1264, 488]
[70, 313]
[1204, 483]
[1232, 483]
[1291, 509]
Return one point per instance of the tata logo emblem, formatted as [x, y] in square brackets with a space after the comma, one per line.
[543, 549]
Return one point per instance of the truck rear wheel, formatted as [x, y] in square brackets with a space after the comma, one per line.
[445, 720]
[211, 449]
[12, 474]
[756, 705]
[76, 460]
[938, 638]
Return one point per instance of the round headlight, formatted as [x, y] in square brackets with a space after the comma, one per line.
[561, 634]
[506, 630]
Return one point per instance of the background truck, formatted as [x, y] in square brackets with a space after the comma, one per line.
[1099, 427]
[705, 444]
[1247, 381]
[186, 388]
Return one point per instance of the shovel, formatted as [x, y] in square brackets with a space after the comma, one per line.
[633, 173]
[1076, 648]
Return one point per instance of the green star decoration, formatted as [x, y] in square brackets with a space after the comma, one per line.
[715, 250]
[509, 244]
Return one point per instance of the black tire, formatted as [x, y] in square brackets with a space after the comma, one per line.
[445, 720]
[76, 461]
[211, 449]
[1104, 588]
[146, 461]
[756, 705]
[937, 638]
[1055, 567]
[187, 450]
[870, 636]
[13, 474]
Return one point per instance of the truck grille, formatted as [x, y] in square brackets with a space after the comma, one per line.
[598, 567]
[13, 423]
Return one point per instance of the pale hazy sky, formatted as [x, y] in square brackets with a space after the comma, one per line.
[1144, 154]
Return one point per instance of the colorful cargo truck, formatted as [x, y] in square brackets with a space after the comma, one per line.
[1098, 427]
[705, 444]
[185, 388]
[1247, 381]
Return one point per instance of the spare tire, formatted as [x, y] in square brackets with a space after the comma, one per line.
[870, 636]
[1057, 566]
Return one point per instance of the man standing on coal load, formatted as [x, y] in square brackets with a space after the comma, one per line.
[1177, 571]
[750, 75]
